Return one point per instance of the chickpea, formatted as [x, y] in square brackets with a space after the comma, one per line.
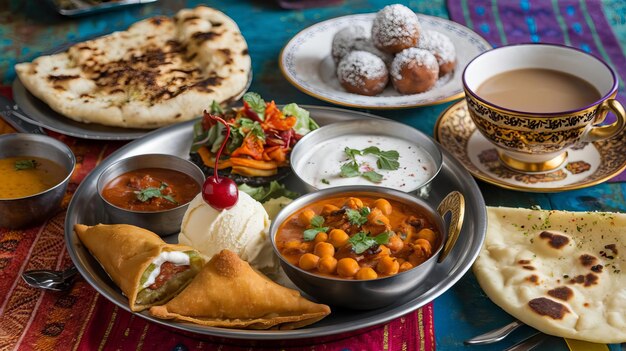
[328, 209]
[366, 273]
[347, 267]
[395, 243]
[416, 259]
[308, 261]
[421, 252]
[405, 266]
[427, 234]
[338, 238]
[384, 206]
[306, 216]
[354, 203]
[327, 265]
[384, 251]
[423, 246]
[321, 237]
[323, 249]
[377, 217]
[388, 266]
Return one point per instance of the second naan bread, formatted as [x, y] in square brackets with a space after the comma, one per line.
[562, 273]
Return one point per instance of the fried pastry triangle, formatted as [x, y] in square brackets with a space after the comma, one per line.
[229, 293]
[126, 251]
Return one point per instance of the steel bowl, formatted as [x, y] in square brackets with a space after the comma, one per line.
[34, 209]
[375, 293]
[163, 222]
[379, 127]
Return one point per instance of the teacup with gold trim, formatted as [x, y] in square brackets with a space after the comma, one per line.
[538, 142]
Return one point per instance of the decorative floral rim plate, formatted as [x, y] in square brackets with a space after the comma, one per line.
[306, 63]
[586, 165]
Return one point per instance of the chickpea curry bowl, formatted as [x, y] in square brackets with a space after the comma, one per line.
[363, 247]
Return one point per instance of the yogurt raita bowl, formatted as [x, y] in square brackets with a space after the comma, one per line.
[366, 153]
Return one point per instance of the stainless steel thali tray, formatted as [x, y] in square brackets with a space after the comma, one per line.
[86, 208]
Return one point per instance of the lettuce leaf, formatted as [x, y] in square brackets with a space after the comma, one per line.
[304, 123]
[263, 193]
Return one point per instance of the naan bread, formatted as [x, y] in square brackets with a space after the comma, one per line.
[229, 293]
[563, 273]
[160, 71]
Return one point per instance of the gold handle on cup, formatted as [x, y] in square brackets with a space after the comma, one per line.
[605, 132]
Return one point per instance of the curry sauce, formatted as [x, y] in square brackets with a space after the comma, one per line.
[358, 237]
[27, 175]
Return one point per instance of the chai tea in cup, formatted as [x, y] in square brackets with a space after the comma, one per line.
[538, 90]
[534, 101]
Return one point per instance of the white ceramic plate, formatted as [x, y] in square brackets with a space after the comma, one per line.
[306, 62]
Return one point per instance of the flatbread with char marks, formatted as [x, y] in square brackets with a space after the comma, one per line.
[158, 72]
[563, 273]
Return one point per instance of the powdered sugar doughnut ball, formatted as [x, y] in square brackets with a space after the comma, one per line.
[364, 73]
[347, 39]
[441, 46]
[414, 71]
[355, 38]
[395, 28]
[369, 47]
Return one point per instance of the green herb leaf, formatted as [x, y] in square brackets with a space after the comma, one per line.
[373, 176]
[317, 221]
[21, 165]
[361, 241]
[352, 153]
[216, 109]
[256, 103]
[386, 159]
[325, 181]
[249, 126]
[152, 192]
[316, 227]
[273, 191]
[357, 217]
[310, 234]
[304, 123]
[349, 170]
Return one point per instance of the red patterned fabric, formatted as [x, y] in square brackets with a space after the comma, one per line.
[81, 319]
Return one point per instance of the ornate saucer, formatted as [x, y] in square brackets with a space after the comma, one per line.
[586, 165]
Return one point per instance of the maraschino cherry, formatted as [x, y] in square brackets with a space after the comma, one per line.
[221, 193]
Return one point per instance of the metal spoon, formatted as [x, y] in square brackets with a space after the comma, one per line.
[52, 280]
[494, 335]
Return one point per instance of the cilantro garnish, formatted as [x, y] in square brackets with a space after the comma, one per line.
[256, 104]
[316, 227]
[372, 176]
[146, 194]
[361, 241]
[21, 165]
[387, 160]
[357, 217]
[325, 181]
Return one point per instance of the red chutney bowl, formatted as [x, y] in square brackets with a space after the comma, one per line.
[161, 220]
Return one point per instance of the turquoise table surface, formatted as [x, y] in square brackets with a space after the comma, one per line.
[28, 27]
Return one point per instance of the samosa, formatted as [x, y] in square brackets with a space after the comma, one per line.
[148, 270]
[229, 293]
